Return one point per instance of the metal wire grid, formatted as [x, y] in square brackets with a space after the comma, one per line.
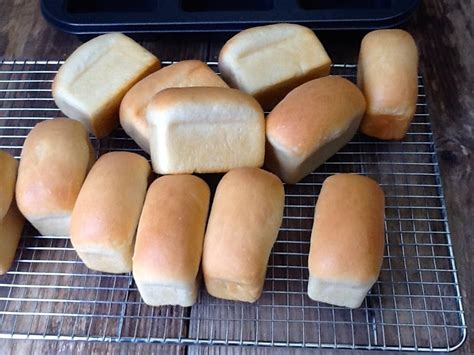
[415, 305]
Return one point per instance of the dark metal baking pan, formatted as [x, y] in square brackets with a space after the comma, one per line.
[154, 16]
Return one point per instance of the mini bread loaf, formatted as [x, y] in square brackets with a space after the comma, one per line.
[10, 233]
[105, 218]
[347, 241]
[243, 226]
[169, 240]
[267, 62]
[55, 160]
[183, 74]
[8, 173]
[388, 77]
[91, 83]
[310, 125]
[205, 130]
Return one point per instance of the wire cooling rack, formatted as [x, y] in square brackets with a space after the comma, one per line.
[415, 304]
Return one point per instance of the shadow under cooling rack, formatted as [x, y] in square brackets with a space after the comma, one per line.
[415, 304]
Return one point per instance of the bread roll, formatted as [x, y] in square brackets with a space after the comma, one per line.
[267, 62]
[205, 130]
[310, 125]
[56, 157]
[10, 233]
[8, 173]
[347, 241]
[169, 240]
[91, 83]
[388, 77]
[183, 74]
[243, 226]
[105, 218]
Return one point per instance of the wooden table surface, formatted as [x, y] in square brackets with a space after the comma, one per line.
[443, 30]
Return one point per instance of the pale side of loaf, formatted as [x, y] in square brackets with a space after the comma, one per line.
[205, 130]
[347, 241]
[187, 73]
[243, 225]
[267, 62]
[90, 85]
[8, 174]
[388, 77]
[169, 240]
[105, 218]
[311, 124]
[55, 160]
[10, 233]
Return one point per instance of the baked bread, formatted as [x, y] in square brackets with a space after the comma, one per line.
[105, 218]
[205, 130]
[182, 74]
[388, 77]
[243, 226]
[310, 125]
[8, 173]
[55, 160]
[10, 233]
[347, 241]
[169, 240]
[267, 62]
[90, 85]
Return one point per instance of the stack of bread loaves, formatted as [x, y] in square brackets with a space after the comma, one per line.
[188, 73]
[190, 120]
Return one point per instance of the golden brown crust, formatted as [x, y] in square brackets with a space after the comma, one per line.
[171, 230]
[169, 240]
[8, 174]
[173, 97]
[107, 210]
[311, 117]
[10, 233]
[388, 77]
[347, 241]
[243, 225]
[90, 85]
[313, 113]
[205, 130]
[386, 127]
[108, 119]
[269, 61]
[55, 159]
[182, 74]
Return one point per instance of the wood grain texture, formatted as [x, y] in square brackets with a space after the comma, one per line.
[220, 350]
[443, 30]
[70, 347]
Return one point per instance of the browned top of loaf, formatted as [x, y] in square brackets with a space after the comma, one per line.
[313, 114]
[243, 225]
[181, 74]
[347, 241]
[110, 202]
[11, 226]
[54, 162]
[176, 99]
[388, 72]
[171, 230]
[260, 58]
[8, 172]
